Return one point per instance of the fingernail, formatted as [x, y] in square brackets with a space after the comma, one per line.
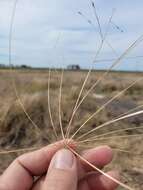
[63, 159]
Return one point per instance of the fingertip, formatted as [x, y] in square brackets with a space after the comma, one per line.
[100, 149]
[99, 156]
[62, 172]
[115, 174]
[104, 181]
[63, 159]
[108, 183]
[104, 154]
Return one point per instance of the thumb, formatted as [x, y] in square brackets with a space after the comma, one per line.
[62, 173]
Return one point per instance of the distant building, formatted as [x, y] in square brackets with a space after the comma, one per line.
[25, 67]
[73, 67]
[2, 66]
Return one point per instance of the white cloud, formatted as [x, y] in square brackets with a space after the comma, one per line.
[40, 24]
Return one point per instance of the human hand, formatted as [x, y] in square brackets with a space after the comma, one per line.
[58, 168]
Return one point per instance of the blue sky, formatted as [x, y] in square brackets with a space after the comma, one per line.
[52, 33]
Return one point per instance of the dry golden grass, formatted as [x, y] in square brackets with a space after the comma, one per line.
[18, 132]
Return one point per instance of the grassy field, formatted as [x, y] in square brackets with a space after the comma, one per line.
[32, 87]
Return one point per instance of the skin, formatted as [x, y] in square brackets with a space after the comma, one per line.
[53, 175]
